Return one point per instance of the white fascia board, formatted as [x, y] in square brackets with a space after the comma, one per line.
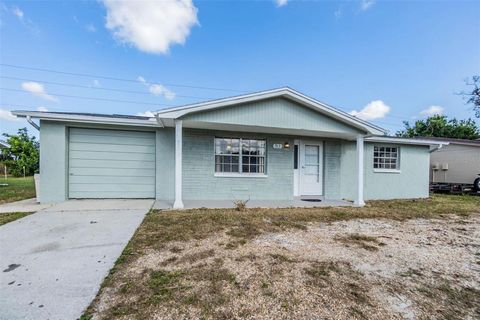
[85, 118]
[341, 115]
[419, 142]
[176, 113]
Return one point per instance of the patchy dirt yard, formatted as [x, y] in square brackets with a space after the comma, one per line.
[422, 261]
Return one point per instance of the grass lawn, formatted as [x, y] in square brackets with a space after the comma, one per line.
[9, 217]
[390, 259]
[17, 189]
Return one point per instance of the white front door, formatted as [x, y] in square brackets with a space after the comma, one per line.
[311, 168]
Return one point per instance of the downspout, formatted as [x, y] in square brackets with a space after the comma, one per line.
[440, 146]
[33, 124]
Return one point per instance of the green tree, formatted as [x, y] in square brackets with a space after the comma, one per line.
[23, 153]
[440, 126]
[473, 97]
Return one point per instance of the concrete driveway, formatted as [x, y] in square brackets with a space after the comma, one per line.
[53, 262]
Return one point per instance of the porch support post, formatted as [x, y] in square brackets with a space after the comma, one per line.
[178, 204]
[359, 202]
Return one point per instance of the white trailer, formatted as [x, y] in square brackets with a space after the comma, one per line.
[455, 167]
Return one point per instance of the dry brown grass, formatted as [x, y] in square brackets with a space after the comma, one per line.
[160, 227]
[204, 264]
[363, 241]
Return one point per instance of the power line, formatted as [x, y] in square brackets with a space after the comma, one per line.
[113, 78]
[95, 88]
[135, 81]
[137, 102]
[8, 105]
[121, 90]
[4, 105]
[94, 98]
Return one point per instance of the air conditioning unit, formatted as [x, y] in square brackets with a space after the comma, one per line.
[436, 166]
[444, 166]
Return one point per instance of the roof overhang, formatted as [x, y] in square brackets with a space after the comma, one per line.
[165, 115]
[93, 119]
[454, 141]
[395, 140]
[265, 130]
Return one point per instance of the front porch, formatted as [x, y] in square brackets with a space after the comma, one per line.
[295, 166]
[300, 148]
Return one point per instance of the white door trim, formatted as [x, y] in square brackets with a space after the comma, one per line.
[303, 189]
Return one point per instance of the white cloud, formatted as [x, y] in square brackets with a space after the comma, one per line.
[366, 4]
[157, 89]
[90, 28]
[374, 110]
[146, 114]
[281, 3]
[96, 83]
[38, 90]
[151, 26]
[432, 110]
[7, 115]
[42, 109]
[18, 12]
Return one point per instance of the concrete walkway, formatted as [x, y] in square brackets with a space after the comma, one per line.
[53, 262]
[28, 205]
[228, 204]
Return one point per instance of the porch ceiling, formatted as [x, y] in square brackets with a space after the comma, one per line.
[269, 130]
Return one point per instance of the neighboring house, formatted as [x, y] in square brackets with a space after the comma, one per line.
[458, 162]
[3, 168]
[272, 145]
[3, 145]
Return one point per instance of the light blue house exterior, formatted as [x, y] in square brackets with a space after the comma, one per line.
[272, 145]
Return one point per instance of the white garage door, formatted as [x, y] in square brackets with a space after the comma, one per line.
[111, 164]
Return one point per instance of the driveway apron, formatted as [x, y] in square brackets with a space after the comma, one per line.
[53, 262]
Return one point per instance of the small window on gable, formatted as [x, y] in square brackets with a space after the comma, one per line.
[385, 157]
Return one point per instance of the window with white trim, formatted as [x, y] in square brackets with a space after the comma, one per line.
[240, 155]
[386, 157]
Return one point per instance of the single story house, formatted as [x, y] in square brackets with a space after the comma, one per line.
[271, 145]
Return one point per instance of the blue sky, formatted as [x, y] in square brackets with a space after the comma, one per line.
[400, 60]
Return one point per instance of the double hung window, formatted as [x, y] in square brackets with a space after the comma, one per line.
[240, 155]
